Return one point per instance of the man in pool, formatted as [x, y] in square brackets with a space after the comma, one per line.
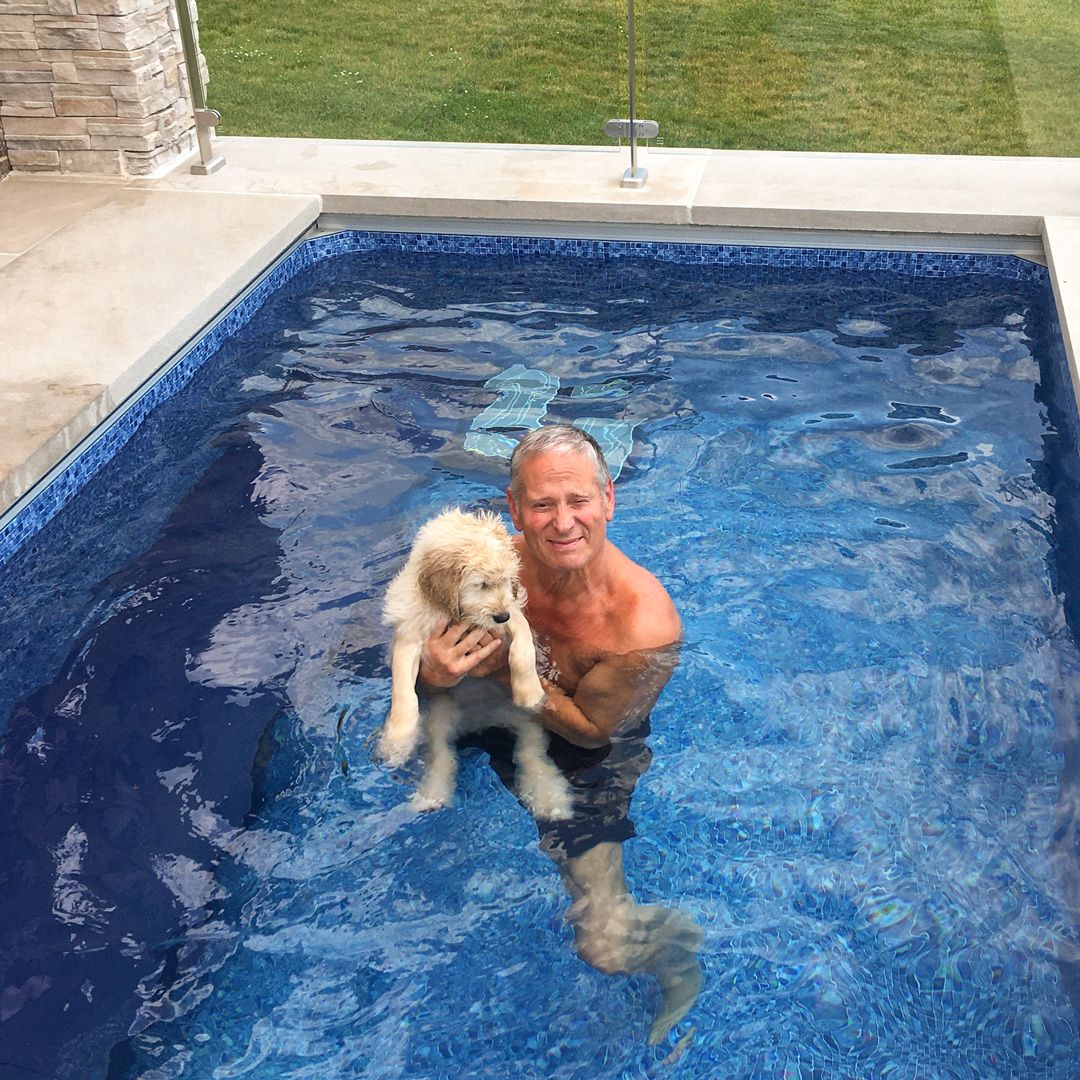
[607, 635]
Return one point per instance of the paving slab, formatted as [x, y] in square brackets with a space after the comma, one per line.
[451, 180]
[890, 192]
[726, 188]
[95, 308]
[32, 209]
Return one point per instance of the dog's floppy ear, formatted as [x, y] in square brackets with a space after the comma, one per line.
[439, 581]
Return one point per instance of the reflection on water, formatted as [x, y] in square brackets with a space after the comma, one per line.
[863, 785]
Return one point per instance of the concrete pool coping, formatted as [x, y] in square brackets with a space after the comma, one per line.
[102, 281]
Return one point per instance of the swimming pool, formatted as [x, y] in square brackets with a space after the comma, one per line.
[853, 471]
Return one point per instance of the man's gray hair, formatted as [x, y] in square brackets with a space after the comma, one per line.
[556, 437]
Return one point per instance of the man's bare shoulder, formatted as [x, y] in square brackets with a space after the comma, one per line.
[652, 621]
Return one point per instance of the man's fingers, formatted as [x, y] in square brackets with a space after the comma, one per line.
[472, 638]
[489, 658]
[487, 649]
[463, 645]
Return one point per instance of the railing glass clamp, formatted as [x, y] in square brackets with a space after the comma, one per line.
[641, 129]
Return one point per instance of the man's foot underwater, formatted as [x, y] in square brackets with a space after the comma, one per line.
[680, 987]
[615, 934]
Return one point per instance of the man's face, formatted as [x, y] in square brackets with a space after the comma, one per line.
[562, 512]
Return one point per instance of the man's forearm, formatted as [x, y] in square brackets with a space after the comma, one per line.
[561, 715]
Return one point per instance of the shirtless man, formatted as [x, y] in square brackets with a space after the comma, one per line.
[607, 634]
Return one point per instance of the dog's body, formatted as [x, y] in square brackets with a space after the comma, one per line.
[463, 568]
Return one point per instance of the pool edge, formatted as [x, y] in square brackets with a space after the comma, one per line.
[88, 322]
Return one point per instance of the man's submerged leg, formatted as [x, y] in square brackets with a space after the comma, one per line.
[615, 934]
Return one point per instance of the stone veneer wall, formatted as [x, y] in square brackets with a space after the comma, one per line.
[93, 86]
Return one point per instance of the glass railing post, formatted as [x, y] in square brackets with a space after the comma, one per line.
[634, 176]
[205, 119]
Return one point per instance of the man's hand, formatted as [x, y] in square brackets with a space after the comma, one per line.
[457, 650]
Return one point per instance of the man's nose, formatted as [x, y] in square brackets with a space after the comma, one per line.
[564, 520]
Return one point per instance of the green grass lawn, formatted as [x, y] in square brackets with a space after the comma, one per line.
[913, 76]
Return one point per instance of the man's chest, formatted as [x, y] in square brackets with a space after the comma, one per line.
[570, 647]
[564, 663]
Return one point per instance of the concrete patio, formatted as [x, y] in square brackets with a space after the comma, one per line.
[103, 280]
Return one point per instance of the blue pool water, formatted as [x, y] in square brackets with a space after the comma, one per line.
[859, 488]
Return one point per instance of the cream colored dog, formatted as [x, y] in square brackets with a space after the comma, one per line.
[463, 568]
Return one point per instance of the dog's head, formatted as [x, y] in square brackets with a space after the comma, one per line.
[473, 574]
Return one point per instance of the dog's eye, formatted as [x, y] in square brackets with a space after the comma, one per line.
[484, 585]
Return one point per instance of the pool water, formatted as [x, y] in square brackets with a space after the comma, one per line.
[857, 487]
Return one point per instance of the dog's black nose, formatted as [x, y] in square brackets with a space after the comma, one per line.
[501, 617]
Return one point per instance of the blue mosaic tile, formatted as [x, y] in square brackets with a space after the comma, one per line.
[917, 264]
[116, 432]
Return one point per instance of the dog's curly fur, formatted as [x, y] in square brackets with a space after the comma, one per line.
[463, 567]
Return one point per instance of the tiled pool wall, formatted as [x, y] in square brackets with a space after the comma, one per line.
[1063, 476]
[104, 444]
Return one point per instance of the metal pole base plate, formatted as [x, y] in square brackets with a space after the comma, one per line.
[634, 178]
[205, 168]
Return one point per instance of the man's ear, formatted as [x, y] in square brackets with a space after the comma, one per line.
[511, 505]
[609, 500]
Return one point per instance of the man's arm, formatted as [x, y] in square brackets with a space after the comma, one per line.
[624, 685]
[613, 690]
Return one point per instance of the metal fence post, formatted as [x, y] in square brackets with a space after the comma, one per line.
[205, 119]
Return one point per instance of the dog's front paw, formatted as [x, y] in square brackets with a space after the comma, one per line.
[395, 750]
[553, 808]
[529, 694]
[548, 797]
[422, 801]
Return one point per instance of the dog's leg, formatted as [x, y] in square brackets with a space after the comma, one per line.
[526, 685]
[440, 770]
[543, 789]
[402, 728]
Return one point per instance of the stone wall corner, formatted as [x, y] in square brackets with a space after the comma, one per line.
[93, 86]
